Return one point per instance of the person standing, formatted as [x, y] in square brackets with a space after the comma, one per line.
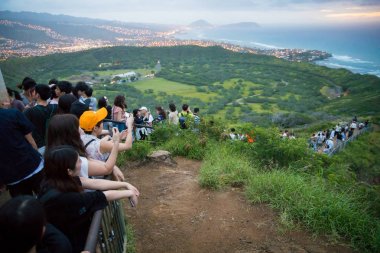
[173, 114]
[186, 117]
[21, 164]
[40, 114]
[27, 85]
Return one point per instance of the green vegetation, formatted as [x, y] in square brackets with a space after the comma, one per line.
[252, 87]
[326, 195]
[131, 241]
[336, 196]
[159, 86]
[311, 201]
[139, 152]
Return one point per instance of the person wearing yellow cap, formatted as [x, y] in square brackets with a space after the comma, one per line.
[92, 124]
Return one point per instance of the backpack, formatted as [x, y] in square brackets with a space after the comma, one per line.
[182, 121]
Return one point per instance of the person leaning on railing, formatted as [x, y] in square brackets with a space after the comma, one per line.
[64, 130]
[92, 124]
[68, 207]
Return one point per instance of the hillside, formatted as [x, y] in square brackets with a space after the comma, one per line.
[232, 84]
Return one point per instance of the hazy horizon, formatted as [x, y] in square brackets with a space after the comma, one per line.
[289, 12]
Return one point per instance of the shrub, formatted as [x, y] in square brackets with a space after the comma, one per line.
[224, 166]
[139, 151]
[270, 148]
[324, 211]
[163, 133]
[186, 143]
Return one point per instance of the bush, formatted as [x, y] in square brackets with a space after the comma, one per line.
[324, 211]
[270, 148]
[186, 143]
[224, 166]
[139, 151]
[163, 132]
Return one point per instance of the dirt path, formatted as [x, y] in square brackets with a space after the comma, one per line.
[176, 215]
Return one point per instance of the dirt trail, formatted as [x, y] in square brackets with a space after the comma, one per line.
[176, 215]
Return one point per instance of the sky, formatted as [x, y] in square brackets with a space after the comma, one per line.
[293, 12]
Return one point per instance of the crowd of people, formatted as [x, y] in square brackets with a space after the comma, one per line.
[56, 154]
[325, 141]
[58, 144]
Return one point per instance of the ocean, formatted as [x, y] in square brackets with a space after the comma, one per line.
[356, 48]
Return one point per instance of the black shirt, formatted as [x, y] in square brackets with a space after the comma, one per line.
[71, 213]
[18, 158]
[40, 116]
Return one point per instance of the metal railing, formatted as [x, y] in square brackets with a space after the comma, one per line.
[342, 144]
[107, 232]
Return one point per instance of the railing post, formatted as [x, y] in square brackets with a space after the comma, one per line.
[92, 237]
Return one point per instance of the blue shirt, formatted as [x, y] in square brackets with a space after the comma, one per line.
[18, 159]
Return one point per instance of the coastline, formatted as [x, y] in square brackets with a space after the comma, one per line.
[321, 57]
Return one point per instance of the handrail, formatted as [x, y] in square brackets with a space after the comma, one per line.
[107, 231]
[342, 145]
[92, 237]
[122, 122]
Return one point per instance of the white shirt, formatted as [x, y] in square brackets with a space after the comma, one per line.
[330, 143]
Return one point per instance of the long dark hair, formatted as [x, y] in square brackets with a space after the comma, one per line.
[57, 160]
[64, 130]
[161, 112]
[120, 101]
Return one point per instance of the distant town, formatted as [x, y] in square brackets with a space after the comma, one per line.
[138, 37]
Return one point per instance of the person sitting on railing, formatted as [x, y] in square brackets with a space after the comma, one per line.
[23, 228]
[148, 118]
[68, 207]
[64, 130]
[99, 149]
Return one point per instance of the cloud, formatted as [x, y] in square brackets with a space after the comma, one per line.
[375, 14]
[184, 11]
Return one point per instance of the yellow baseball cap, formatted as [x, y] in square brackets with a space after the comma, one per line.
[89, 119]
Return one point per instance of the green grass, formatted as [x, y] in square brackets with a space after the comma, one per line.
[139, 151]
[324, 211]
[222, 166]
[121, 71]
[187, 144]
[131, 241]
[171, 88]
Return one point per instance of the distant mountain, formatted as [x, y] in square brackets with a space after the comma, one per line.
[34, 27]
[47, 18]
[241, 25]
[201, 23]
